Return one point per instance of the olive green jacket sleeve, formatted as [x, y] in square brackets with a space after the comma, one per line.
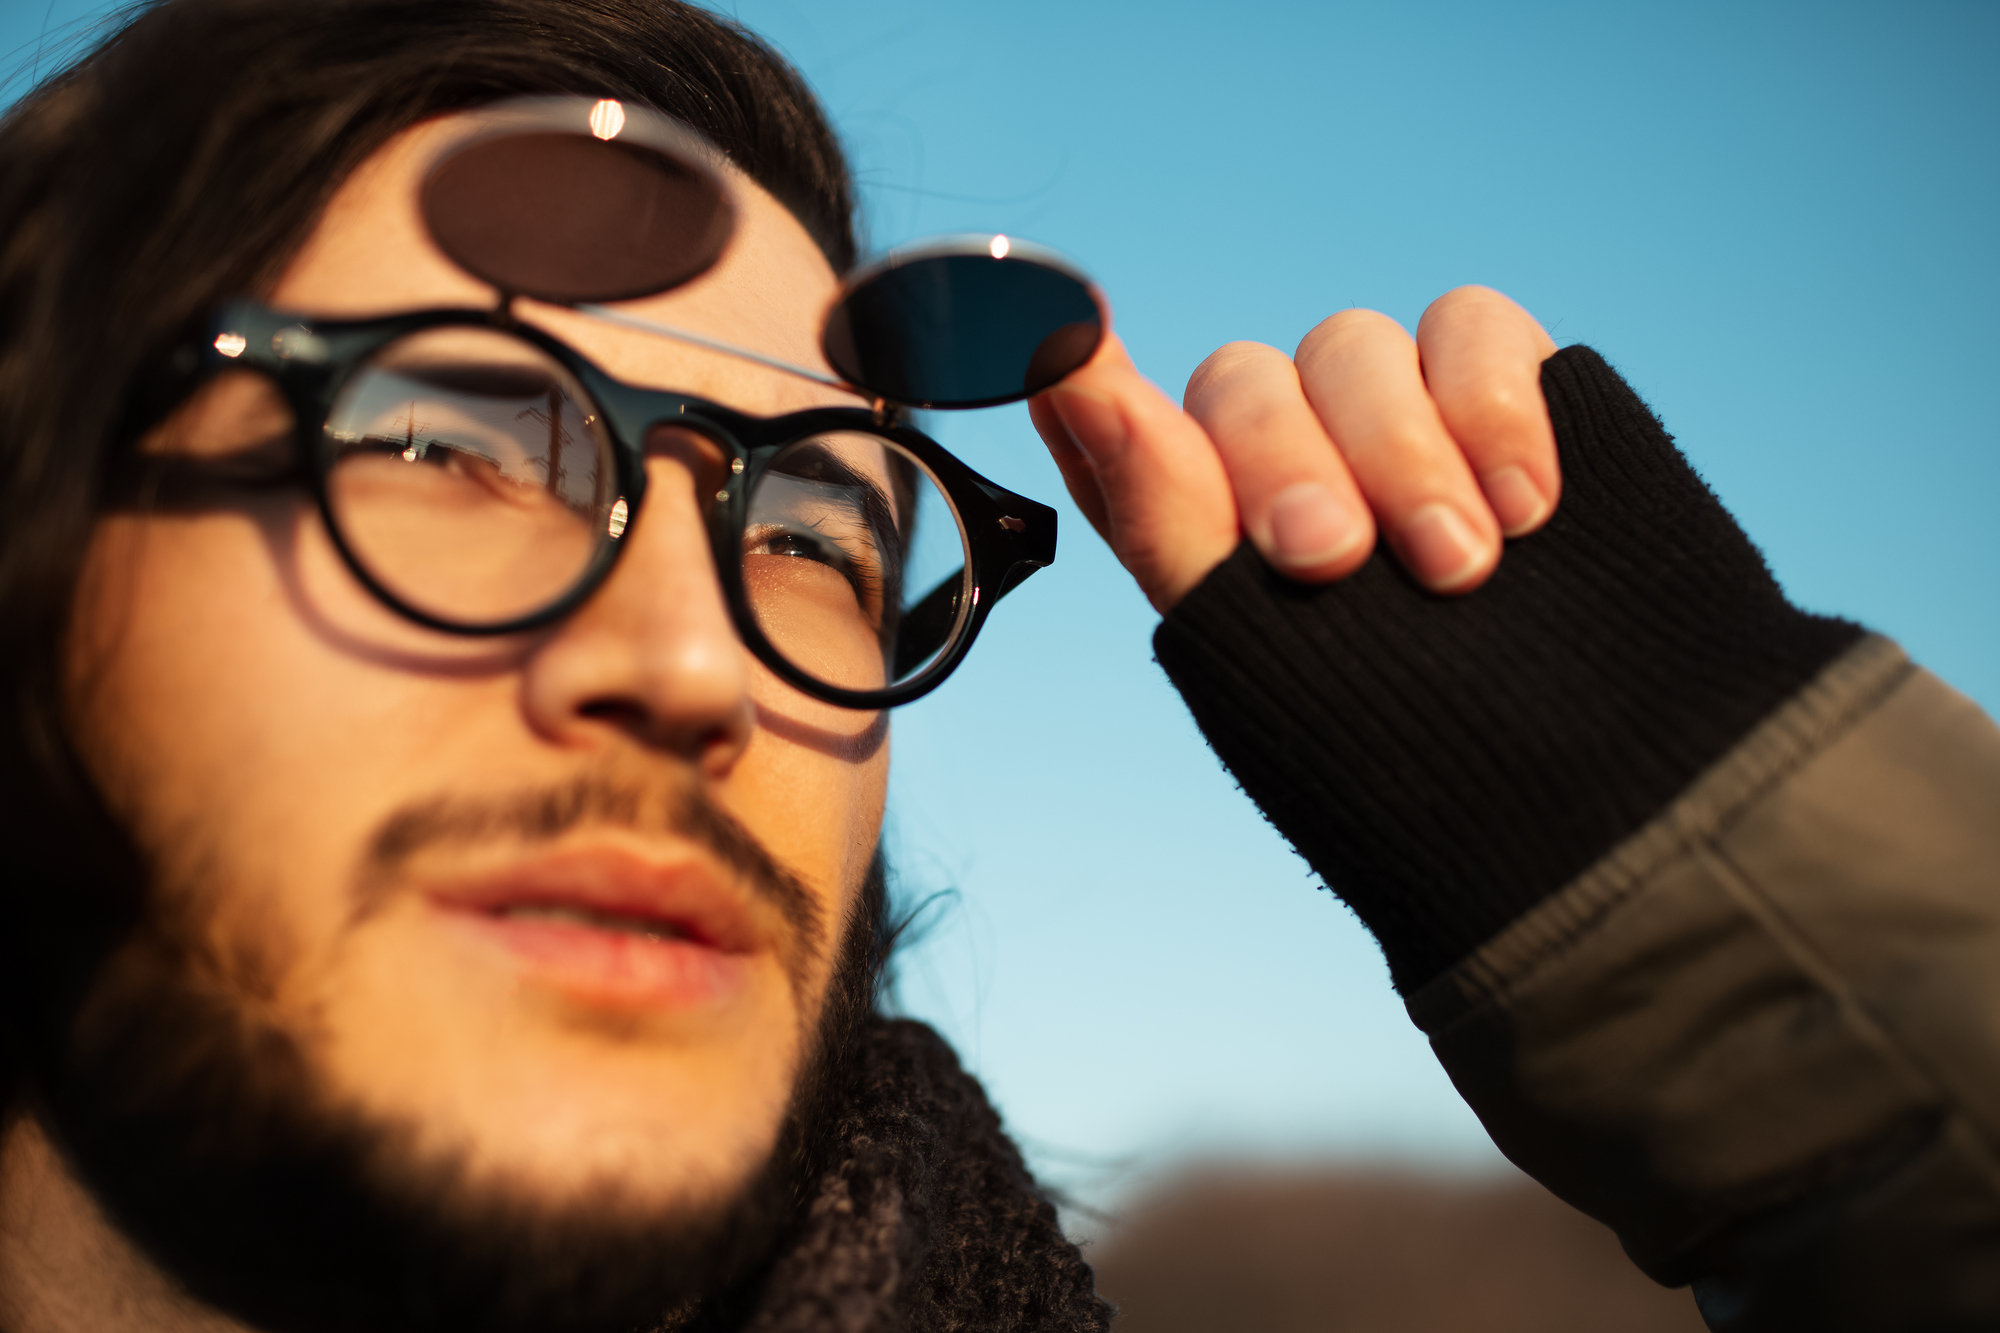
[1761, 1037]
[1696, 893]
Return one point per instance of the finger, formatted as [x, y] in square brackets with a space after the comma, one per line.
[1070, 461]
[1167, 509]
[1482, 358]
[1360, 372]
[1297, 500]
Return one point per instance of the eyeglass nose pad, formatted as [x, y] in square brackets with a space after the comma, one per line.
[569, 200]
[964, 321]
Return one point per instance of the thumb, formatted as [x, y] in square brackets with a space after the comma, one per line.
[1144, 473]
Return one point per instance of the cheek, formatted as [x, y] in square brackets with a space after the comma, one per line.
[212, 712]
[236, 694]
[171, 666]
[812, 785]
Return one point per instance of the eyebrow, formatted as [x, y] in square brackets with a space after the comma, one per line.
[830, 469]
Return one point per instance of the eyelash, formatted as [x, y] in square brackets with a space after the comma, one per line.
[865, 579]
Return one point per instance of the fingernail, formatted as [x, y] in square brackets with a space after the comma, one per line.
[1516, 501]
[1441, 548]
[1310, 527]
[1094, 423]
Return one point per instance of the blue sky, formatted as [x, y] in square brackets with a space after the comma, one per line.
[1778, 219]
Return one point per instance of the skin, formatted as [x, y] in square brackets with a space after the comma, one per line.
[255, 715]
[1438, 444]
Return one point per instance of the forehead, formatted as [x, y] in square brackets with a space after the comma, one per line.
[370, 254]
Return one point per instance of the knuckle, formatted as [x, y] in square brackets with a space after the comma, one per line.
[1226, 369]
[1493, 407]
[1258, 420]
[1460, 300]
[1345, 329]
[1489, 317]
[1471, 294]
[1410, 447]
[1402, 453]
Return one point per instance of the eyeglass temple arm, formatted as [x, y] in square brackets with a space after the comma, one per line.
[610, 316]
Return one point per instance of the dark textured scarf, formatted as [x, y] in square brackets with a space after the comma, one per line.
[925, 1220]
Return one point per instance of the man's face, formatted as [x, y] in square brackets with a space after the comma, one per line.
[496, 891]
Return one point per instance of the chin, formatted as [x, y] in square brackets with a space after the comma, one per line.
[415, 1119]
[590, 1193]
[561, 1091]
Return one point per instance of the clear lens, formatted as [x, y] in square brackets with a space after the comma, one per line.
[472, 476]
[854, 561]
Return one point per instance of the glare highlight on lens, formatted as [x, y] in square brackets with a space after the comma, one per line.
[579, 201]
[606, 119]
[999, 247]
[470, 477]
[231, 344]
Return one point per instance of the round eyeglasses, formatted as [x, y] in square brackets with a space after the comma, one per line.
[479, 476]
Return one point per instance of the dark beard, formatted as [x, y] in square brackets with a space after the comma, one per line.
[208, 1140]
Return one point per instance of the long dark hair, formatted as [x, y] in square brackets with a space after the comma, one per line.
[182, 162]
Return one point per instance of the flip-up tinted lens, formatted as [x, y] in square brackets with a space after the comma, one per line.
[968, 323]
[579, 204]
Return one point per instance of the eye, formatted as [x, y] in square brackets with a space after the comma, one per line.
[786, 541]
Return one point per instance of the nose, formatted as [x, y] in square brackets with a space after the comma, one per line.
[653, 656]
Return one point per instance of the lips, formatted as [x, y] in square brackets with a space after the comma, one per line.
[609, 927]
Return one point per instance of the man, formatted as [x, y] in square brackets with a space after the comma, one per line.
[369, 975]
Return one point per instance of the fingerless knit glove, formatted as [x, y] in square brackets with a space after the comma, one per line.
[1445, 763]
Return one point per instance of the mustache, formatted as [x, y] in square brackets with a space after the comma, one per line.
[543, 814]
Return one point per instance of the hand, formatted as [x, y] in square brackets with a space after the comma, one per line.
[1442, 443]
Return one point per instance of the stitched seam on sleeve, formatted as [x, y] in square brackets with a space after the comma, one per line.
[1862, 1022]
[1848, 690]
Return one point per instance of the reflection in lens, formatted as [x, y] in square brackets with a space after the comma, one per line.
[963, 330]
[472, 477]
[854, 561]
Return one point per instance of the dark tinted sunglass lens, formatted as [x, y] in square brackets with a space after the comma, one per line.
[854, 561]
[569, 217]
[471, 476]
[963, 330]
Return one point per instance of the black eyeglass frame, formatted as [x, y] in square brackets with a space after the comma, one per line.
[310, 361]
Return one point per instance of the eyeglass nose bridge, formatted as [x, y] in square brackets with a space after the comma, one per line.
[711, 463]
[1006, 536]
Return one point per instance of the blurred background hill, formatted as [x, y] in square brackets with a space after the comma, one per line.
[1333, 1250]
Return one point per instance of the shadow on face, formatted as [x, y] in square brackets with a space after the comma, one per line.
[553, 914]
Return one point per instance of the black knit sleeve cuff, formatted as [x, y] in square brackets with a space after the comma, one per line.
[1446, 762]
